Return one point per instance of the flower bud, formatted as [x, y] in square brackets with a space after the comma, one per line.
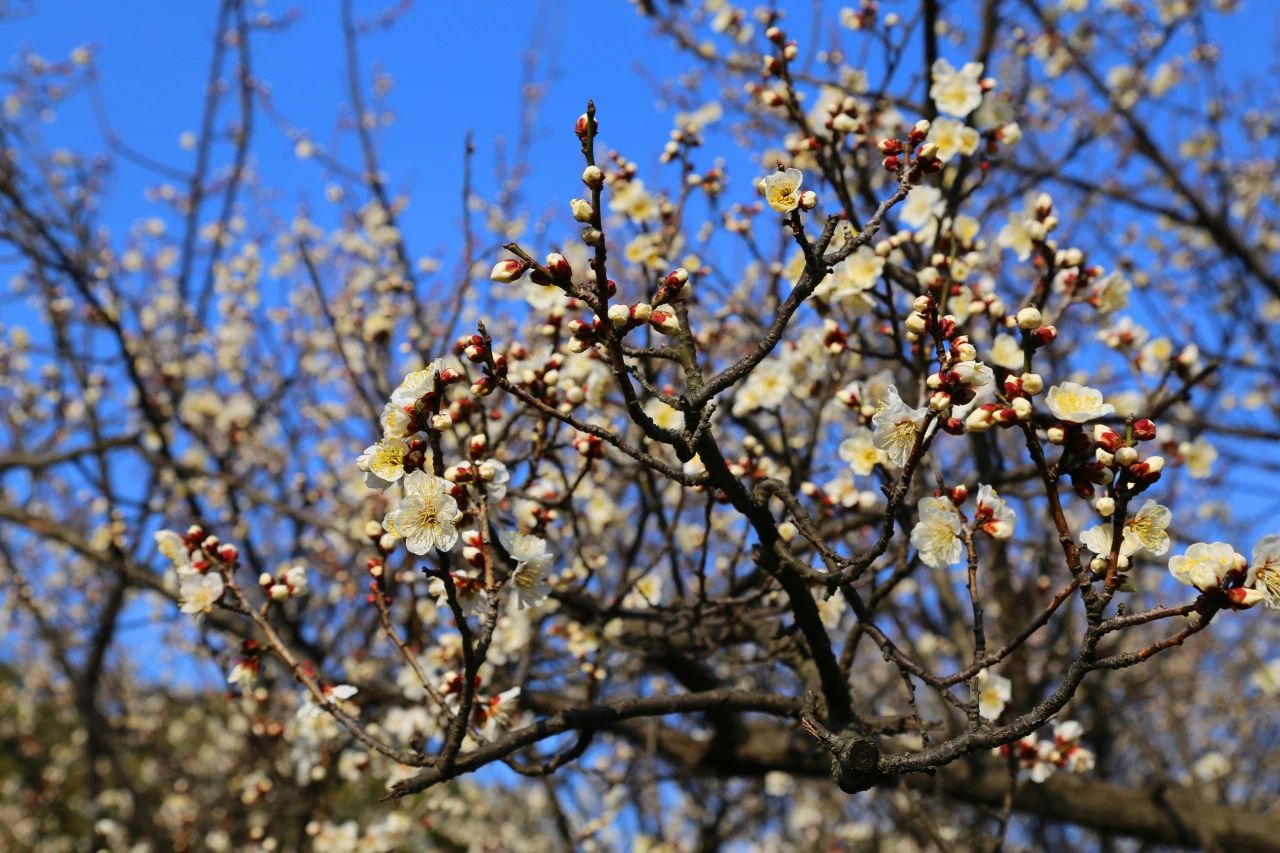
[372, 529]
[1107, 438]
[1144, 429]
[581, 209]
[1056, 435]
[1029, 318]
[980, 419]
[923, 303]
[808, 200]
[279, 592]
[917, 323]
[1126, 456]
[265, 579]
[1032, 383]
[508, 271]
[1105, 506]
[1243, 598]
[559, 267]
[889, 147]
[1021, 407]
[1044, 335]
[664, 322]
[928, 151]
[619, 315]
[593, 177]
[641, 312]
[441, 421]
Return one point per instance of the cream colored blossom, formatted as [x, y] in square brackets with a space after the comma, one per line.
[921, 207]
[936, 535]
[1198, 456]
[1007, 352]
[425, 517]
[533, 560]
[896, 427]
[1205, 564]
[416, 385]
[1076, 403]
[199, 592]
[782, 190]
[1145, 530]
[173, 547]
[386, 459]
[994, 693]
[1264, 570]
[953, 137]
[860, 451]
[956, 92]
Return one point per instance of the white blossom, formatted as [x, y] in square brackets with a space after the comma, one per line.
[936, 535]
[425, 517]
[1076, 403]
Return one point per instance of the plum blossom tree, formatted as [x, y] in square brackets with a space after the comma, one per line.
[873, 469]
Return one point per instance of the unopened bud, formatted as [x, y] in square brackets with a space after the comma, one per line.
[593, 177]
[1029, 318]
[508, 271]
[664, 322]
[1044, 335]
[1126, 456]
[1144, 429]
[581, 209]
[619, 315]
[559, 267]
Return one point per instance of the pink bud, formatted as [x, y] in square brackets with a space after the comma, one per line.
[508, 271]
[664, 322]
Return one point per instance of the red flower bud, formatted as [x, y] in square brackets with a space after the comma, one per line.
[1144, 429]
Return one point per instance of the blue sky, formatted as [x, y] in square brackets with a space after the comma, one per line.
[457, 67]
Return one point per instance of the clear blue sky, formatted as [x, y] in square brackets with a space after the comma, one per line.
[457, 67]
